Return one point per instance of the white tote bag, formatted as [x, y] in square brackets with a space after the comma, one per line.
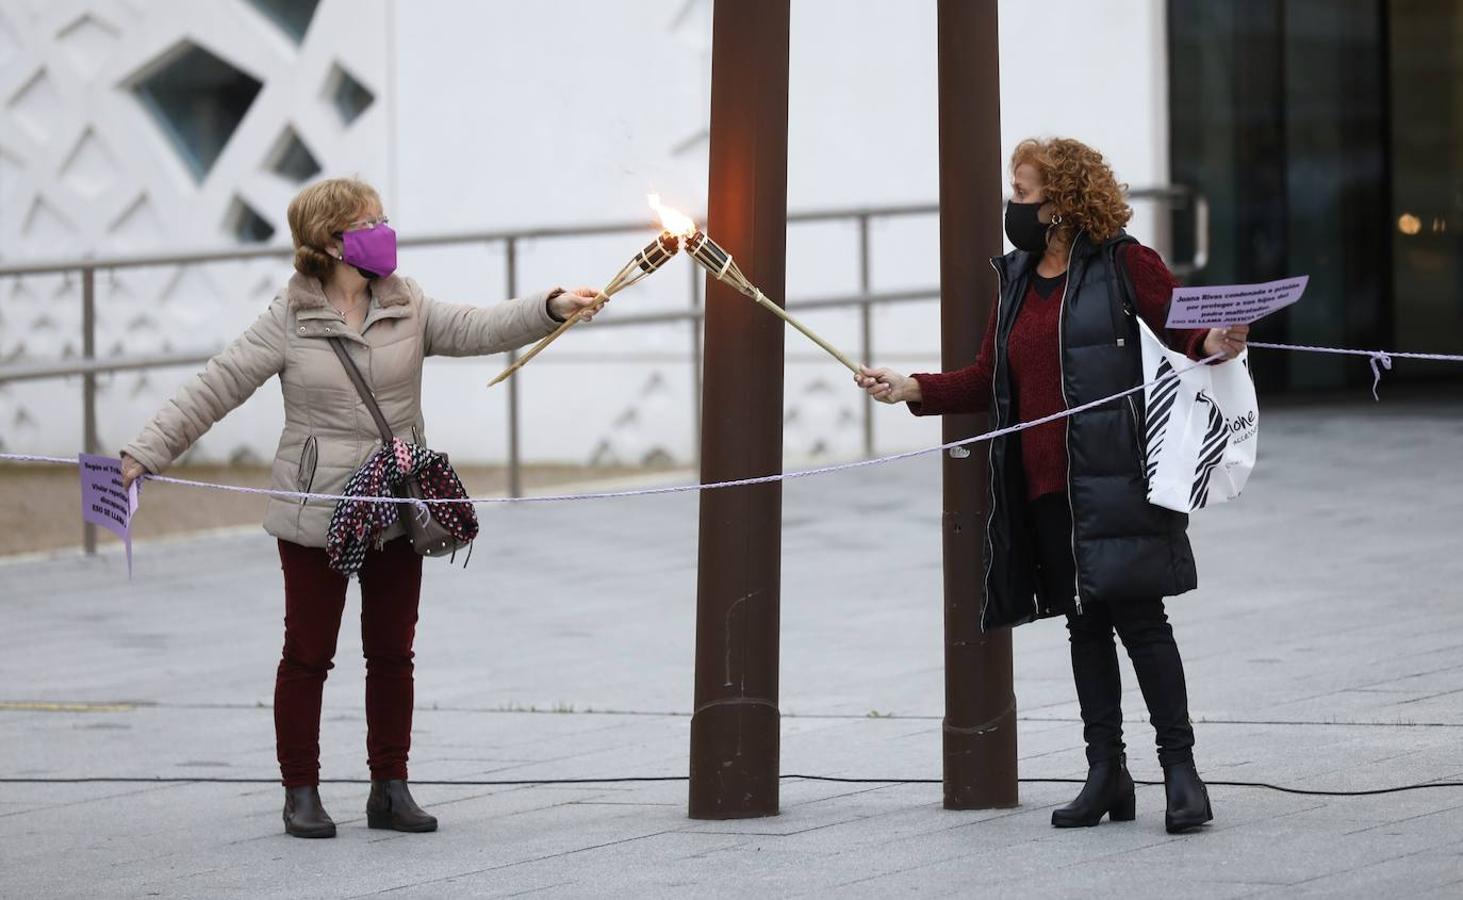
[1201, 427]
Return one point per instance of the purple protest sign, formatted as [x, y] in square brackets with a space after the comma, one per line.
[104, 502]
[1218, 305]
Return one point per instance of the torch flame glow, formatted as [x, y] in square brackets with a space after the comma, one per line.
[673, 221]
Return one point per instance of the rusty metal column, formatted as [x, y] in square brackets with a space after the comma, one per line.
[734, 729]
[515, 466]
[89, 441]
[980, 705]
[696, 324]
[866, 325]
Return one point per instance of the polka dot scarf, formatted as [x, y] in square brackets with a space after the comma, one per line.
[357, 525]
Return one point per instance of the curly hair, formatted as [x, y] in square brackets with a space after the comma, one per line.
[1079, 184]
[319, 212]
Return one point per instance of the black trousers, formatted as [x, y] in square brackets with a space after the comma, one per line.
[1142, 625]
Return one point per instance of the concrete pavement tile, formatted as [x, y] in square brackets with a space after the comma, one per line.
[1284, 635]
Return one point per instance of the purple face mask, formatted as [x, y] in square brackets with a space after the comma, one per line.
[371, 250]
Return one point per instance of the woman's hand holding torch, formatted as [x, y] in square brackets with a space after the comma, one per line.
[583, 303]
[580, 304]
[888, 386]
[681, 231]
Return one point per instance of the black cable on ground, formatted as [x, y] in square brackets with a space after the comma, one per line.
[1425, 785]
[1244, 784]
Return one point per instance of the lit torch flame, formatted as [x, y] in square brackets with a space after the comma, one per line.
[712, 257]
[673, 221]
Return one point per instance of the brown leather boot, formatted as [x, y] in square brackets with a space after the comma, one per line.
[305, 815]
[391, 806]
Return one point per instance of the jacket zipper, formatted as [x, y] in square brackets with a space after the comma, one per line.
[311, 446]
[1067, 425]
[991, 455]
[1137, 434]
[991, 450]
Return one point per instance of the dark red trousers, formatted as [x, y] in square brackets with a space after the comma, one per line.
[314, 599]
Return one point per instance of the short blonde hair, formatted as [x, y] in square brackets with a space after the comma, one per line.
[1079, 184]
[321, 211]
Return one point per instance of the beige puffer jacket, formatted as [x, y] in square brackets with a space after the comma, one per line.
[328, 431]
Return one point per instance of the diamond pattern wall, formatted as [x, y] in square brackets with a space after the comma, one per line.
[47, 226]
[87, 43]
[87, 167]
[9, 43]
[248, 226]
[36, 107]
[351, 98]
[292, 159]
[199, 100]
[11, 171]
[293, 16]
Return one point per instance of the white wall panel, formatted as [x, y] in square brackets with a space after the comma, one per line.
[492, 115]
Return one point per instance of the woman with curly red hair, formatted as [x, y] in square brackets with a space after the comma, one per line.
[1071, 532]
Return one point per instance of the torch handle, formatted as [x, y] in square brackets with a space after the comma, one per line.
[811, 335]
[538, 348]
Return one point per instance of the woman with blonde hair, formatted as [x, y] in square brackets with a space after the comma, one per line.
[1071, 532]
[344, 292]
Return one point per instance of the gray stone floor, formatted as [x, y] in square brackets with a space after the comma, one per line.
[1324, 650]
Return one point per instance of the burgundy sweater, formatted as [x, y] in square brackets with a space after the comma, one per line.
[1036, 368]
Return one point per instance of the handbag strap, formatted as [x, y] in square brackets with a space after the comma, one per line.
[366, 395]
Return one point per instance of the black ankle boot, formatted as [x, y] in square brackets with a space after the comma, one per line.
[1108, 791]
[1188, 798]
[392, 807]
[305, 815]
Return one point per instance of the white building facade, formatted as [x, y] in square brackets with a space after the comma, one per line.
[162, 126]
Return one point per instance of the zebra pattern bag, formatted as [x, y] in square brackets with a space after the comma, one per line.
[1201, 427]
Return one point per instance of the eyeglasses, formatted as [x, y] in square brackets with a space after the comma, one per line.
[367, 224]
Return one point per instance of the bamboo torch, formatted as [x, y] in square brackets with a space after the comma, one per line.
[656, 254]
[712, 257]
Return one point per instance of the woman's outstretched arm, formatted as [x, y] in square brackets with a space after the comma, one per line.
[1154, 283]
[454, 329]
[226, 381]
[966, 390]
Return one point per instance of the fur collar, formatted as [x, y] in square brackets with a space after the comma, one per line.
[307, 293]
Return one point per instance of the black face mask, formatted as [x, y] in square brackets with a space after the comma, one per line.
[1024, 228]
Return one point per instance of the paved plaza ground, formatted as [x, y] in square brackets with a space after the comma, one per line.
[1324, 651]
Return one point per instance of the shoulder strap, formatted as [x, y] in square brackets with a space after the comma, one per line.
[1122, 278]
[360, 382]
[1126, 273]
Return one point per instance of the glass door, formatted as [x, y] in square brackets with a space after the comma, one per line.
[1426, 138]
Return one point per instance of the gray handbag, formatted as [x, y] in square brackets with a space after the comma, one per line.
[428, 536]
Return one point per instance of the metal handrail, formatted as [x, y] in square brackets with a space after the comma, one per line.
[88, 367]
[44, 370]
[235, 254]
[443, 239]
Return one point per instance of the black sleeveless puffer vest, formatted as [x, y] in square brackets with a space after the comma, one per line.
[1124, 547]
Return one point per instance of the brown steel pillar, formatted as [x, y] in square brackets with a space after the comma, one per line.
[980, 705]
[734, 730]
